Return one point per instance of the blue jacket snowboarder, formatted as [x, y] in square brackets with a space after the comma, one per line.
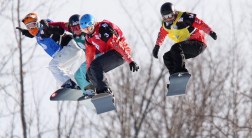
[57, 43]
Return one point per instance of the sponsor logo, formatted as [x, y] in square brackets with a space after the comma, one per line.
[181, 19]
[97, 36]
[75, 23]
[104, 25]
[191, 15]
[54, 94]
[96, 45]
[106, 35]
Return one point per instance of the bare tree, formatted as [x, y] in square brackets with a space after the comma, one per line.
[217, 103]
[214, 105]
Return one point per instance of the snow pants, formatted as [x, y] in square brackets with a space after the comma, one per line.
[64, 58]
[175, 58]
[80, 76]
[101, 65]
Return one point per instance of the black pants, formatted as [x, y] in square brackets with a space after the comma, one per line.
[101, 65]
[175, 58]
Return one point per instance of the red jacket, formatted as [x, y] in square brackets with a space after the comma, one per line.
[191, 20]
[63, 25]
[66, 27]
[107, 36]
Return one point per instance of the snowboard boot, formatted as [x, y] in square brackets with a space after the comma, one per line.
[89, 87]
[184, 70]
[106, 90]
[88, 93]
[70, 84]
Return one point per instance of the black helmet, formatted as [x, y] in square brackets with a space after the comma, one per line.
[167, 8]
[74, 20]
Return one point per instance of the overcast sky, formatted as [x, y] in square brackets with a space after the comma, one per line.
[215, 13]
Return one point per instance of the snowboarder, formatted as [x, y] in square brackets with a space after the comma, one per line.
[109, 40]
[184, 29]
[57, 43]
[73, 26]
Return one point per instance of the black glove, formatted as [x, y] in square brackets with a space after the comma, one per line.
[213, 35]
[133, 66]
[155, 51]
[20, 29]
[44, 23]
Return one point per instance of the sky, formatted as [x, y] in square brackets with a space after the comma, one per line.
[145, 15]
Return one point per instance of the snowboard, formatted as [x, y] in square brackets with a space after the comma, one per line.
[67, 94]
[101, 103]
[104, 102]
[178, 83]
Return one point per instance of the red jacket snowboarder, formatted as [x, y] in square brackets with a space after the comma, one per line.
[108, 39]
[184, 29]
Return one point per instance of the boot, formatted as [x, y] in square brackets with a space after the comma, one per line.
[70, 84]
[89, 93]
[106, 90]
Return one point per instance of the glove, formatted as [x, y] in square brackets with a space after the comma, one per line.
[20, 29]
[44, 23]
[213, 35]
[133, 66]
[155, 51]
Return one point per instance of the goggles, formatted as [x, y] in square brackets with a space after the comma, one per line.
[75, 23]
[168, 16]
[75, 29]
[31, 25]
[88, 29]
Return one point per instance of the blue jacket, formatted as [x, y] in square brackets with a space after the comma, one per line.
[50, 38]
[48, 44]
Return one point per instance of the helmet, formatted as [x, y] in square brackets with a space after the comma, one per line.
[31, 22]
[86, 21]
[48, 20]
[167, 8]
[74, 24]
[74, 20]
[31, 17]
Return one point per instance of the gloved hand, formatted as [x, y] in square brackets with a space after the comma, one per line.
[213, 35]
[20, 29]
[133, 66]
[155, 51]
[44, 23]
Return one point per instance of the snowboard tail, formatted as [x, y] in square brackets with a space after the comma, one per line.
[103, 102]
[178, 83]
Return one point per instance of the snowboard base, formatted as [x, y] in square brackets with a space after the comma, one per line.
[102, 103]
[178, 83]
[67, 94]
